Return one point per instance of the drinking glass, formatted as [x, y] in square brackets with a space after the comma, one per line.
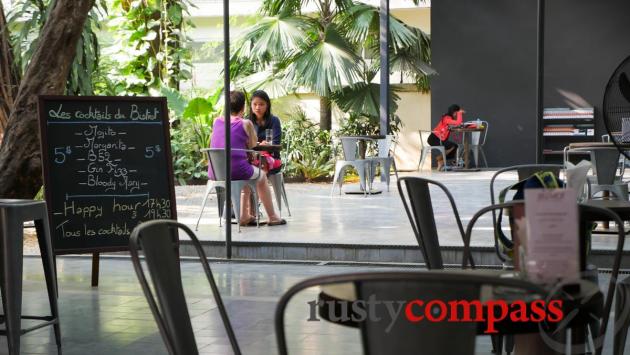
[269, 136]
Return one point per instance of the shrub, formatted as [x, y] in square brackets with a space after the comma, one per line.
[308, 150]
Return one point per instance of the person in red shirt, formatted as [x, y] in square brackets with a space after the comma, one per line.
[439, 135]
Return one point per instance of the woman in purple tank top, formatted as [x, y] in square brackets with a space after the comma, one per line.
[243, 136]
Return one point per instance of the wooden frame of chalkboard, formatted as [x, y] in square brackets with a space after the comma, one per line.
[103, 133]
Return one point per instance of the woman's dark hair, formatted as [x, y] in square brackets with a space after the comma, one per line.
[452, 109]
[263, 96]
[237, 101]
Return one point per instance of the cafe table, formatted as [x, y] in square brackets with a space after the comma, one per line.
[582, 302]
[466, 132]
[271, 148]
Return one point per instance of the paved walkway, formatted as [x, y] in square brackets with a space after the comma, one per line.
[354, 219]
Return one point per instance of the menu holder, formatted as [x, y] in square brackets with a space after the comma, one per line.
[551, 247]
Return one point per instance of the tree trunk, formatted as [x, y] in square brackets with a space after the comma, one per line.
[9, 76]
[325, 114]
[20, 160]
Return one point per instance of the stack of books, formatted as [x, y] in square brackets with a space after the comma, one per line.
[567, 113]
[568, 130]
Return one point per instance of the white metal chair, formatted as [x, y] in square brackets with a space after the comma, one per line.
[350, 158]
[427, 148]
[216, 159]
[277, 182]
[385, 159]
[478, 140]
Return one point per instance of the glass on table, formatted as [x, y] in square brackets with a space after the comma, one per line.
[269, 136]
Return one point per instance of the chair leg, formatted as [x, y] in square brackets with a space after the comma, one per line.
[423, 156]
[363, 170]
[276, 182]
[255, 196]
[236, 203]
[47, 256]
[284, 197]
[444, 157]
[209, 187]
[221, 203]
[338, 177]
[622, 316]
[12, 254]
[483, 155]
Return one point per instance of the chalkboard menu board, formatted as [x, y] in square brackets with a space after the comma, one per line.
[107, 167]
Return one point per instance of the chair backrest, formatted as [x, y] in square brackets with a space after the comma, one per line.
[216, 159]
[484, 133]
[383, 335]
[385, 146]
[424, 137]
[349, 148]
[523, 172]
[587, 215]
[158, 240]
[416, 199]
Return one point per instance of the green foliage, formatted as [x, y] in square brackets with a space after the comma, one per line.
[149, 49]
[308, 150]
[26, 20]
[191, 128]
[333, 52]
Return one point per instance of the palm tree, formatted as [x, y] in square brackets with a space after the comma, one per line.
[326, 51]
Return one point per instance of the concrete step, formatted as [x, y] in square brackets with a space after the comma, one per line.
[362, 253]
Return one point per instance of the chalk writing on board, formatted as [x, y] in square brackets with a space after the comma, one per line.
[108, 168]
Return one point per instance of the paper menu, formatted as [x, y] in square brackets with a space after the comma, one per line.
[552, 248]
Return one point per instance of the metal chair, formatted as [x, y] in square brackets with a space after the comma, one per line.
[605, 162]
[13, 214]
[586, 214]
[523, 172]
[277, 182]
[217, 187]
[351, 158]
[416, 198]
[158, 241]
[216, 159]
[622, 316]
[427, 148]
[379, 336]
[385, 159]
[478, 140]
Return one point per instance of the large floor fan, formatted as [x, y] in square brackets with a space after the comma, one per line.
[617, 107]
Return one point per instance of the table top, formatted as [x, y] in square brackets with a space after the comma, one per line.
[374, 136]
[597, 145]
[620, 207]
[268, 147]
[586, 298]
[467, 129]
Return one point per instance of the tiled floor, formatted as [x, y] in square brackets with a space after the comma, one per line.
[354, 219]
[114, 318]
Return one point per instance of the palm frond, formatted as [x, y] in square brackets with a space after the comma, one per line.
[274, 36]
[364, 99]
[326, 66]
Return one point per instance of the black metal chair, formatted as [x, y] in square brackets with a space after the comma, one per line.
[523, 172]
[159, 242]
[416, 198]
[622, 316]
[13, 214]
[379, 336]
[587, 214]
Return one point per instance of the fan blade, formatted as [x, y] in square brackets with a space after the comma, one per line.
[624, 86]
